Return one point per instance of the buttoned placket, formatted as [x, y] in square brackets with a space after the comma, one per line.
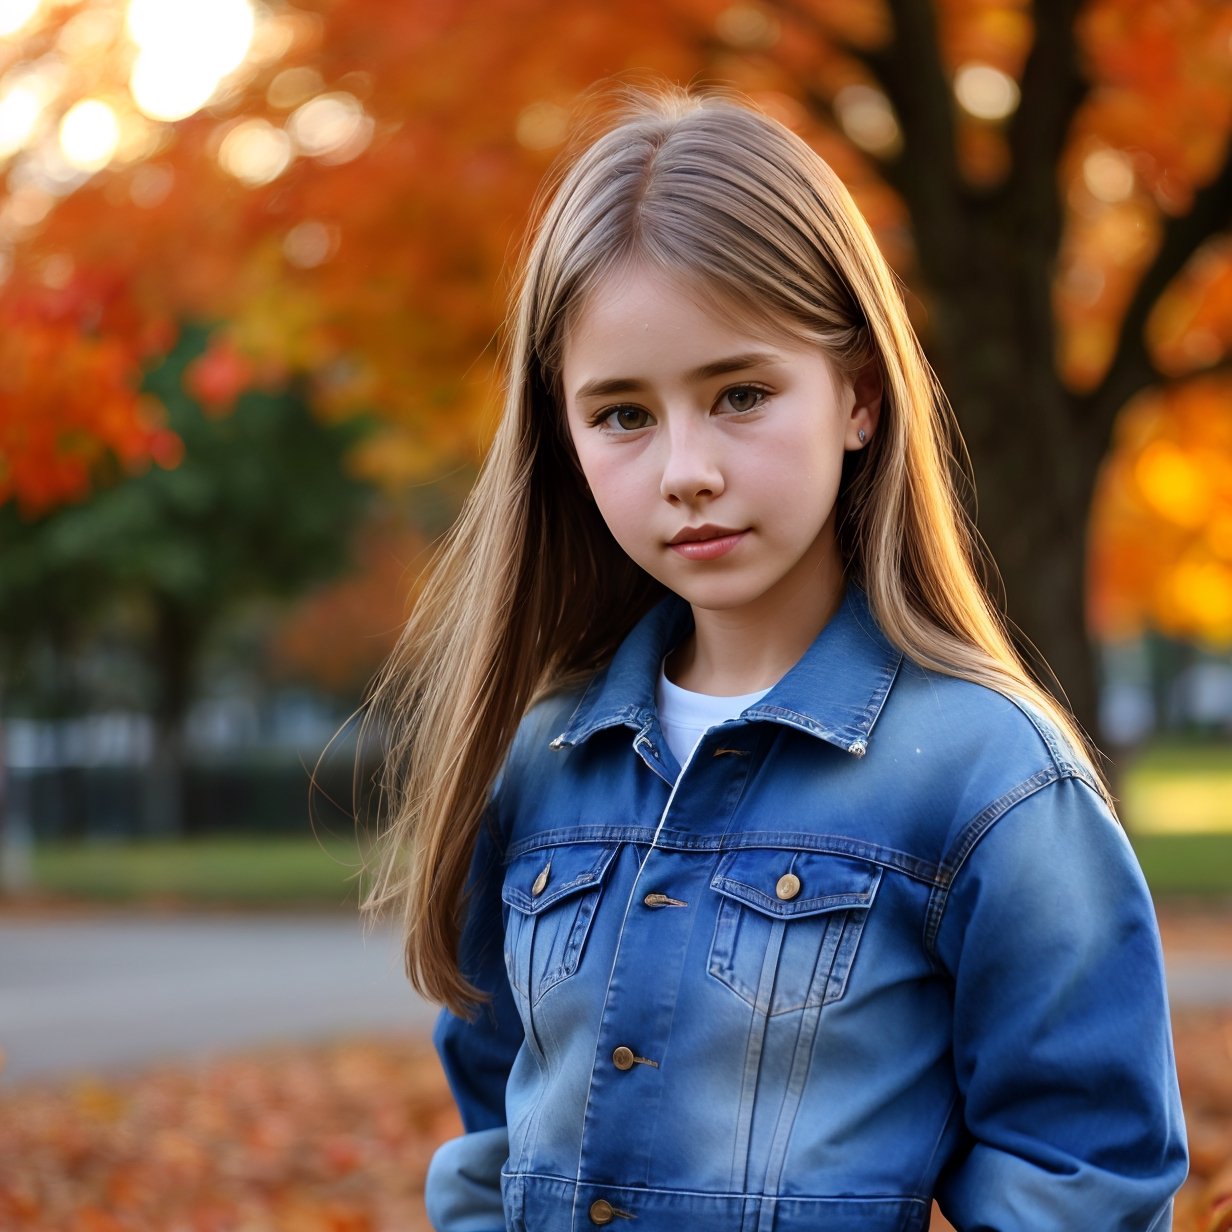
[647, 968]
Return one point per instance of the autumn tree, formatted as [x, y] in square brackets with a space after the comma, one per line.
[1051, 180]
[261, 505]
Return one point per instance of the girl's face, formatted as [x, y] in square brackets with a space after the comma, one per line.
[713, 454]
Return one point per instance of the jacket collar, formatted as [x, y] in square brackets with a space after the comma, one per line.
[835, 691]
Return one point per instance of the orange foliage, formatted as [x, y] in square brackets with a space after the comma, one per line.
[1161, 543]
[69, 360]
[375, 268]
[325, 1139]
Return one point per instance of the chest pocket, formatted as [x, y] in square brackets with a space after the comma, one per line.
[789, 925]
[551, 894]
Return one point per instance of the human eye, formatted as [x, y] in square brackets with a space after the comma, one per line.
[622, 418]
[743, 397]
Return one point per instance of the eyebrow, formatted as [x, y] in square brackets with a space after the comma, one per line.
[718, 367]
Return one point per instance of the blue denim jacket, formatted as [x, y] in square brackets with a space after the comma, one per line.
[879, 941]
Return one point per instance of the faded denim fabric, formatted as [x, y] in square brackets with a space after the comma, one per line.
[880, 941]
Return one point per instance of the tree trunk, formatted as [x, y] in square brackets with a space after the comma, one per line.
[992, 340]
[175, 642]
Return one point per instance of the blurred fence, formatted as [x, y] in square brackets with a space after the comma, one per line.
[264, 771]
[262, 797]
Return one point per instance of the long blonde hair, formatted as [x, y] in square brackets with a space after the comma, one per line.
[530, 590]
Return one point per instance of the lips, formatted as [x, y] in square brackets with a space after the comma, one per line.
[698, 534]
[706, 542]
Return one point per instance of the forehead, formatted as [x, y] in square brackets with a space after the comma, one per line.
[642, 309]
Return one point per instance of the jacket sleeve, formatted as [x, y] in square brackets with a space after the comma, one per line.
[463, 1192]
[1062, 1041]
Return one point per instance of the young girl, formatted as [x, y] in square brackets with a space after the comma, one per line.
[763, 887]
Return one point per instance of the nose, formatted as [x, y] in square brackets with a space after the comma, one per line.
[692, 468]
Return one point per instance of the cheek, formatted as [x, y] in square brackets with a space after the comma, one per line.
[621, 511]
[611, 487]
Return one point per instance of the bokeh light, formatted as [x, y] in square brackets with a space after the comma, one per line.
[1172, 485]
[185, 48]
[747, 27]
[310, 243]
[985, 92]
[867, 118]
[541, 126]
[294, 86]
[89, 134]
[1108, 175]
[15, 13]
[256, 152]
[331, 125]
[165, 89]
[20, 108]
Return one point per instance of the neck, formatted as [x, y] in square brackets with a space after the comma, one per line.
[741, 651]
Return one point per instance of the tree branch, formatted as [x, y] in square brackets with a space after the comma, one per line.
[1052, 89]
[1132, 367]
[910, 70]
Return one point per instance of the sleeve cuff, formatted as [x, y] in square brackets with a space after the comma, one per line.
[463, 1192]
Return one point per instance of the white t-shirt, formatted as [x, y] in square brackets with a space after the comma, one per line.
[685, 717]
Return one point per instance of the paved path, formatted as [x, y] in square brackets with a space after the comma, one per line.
[115, 992]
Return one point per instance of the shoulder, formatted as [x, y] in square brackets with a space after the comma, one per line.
[970, 720]
[969, 754]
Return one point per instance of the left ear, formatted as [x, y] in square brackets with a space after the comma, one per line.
[866, 392]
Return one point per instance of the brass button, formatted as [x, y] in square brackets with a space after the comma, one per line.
[788, 886]
[541, 881]
[601, 1212]
[622, 1058]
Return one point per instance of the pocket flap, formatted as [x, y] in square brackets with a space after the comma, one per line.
[787, 882]
[537, 879]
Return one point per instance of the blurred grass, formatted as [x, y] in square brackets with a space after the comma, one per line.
[289, 872]
[1186, 864]
[207, 871]
[1176, 801]
[1175, 789]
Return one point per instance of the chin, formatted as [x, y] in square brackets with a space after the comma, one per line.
[717, 599]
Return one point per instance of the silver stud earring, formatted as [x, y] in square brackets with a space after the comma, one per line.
[863, 436]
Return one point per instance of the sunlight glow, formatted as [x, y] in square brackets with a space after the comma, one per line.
[165, 89]
[20, 107]
[15, 13]
[986, 92]
[255, 152]
[185, 48]
[89, 135]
